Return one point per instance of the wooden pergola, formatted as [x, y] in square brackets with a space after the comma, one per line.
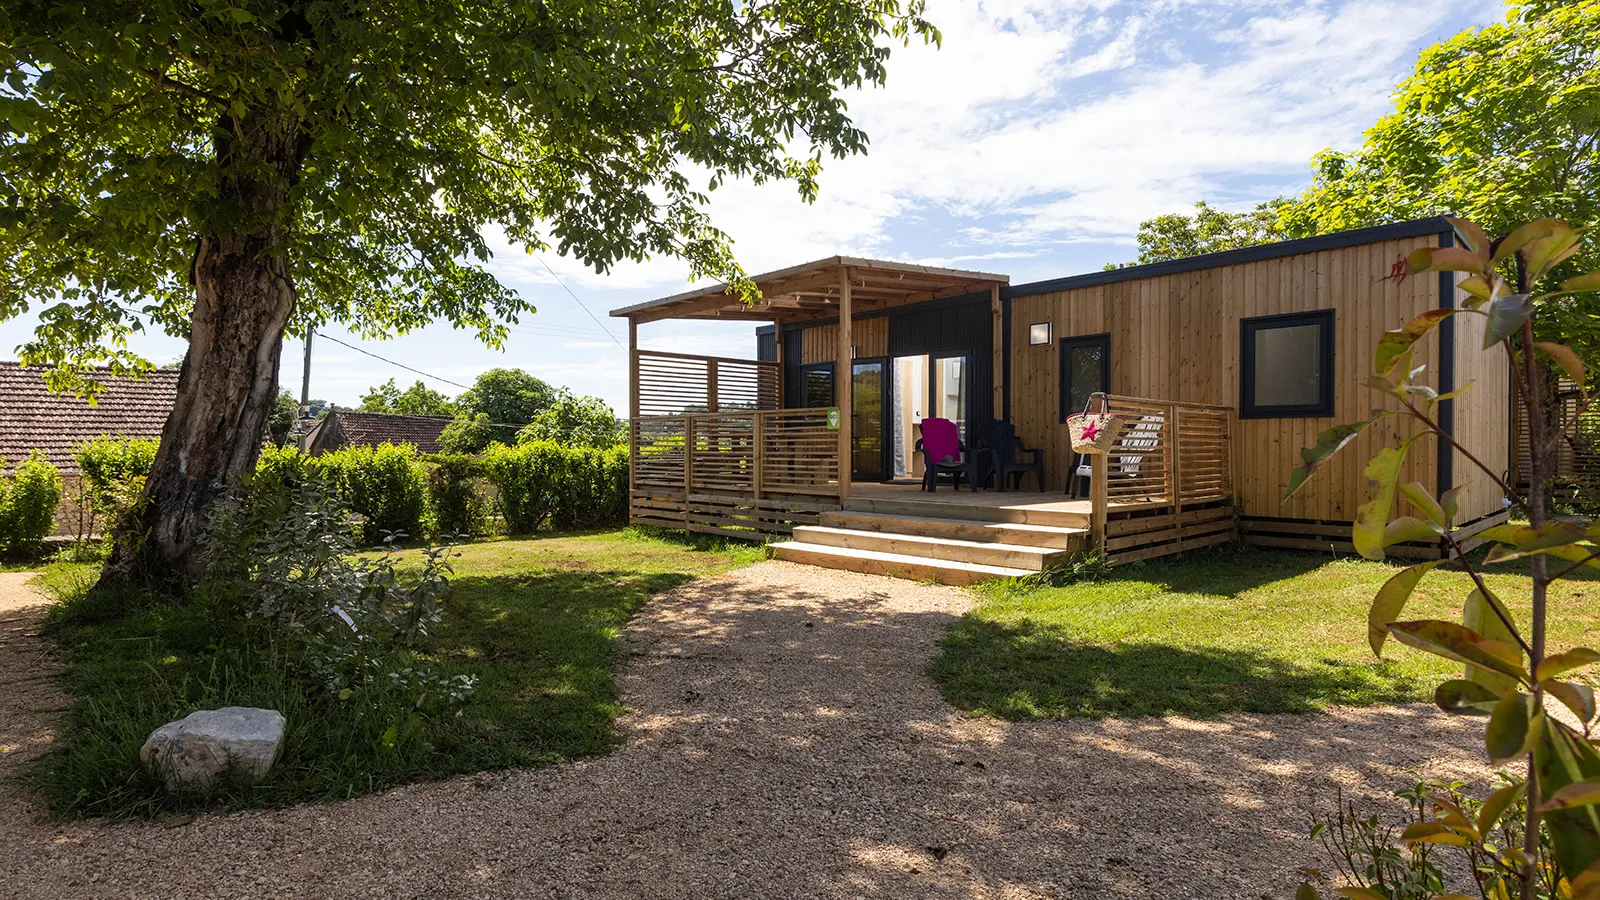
[839, 286]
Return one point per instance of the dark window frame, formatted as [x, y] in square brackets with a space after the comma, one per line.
[1079, 340]
[1324, 407]
[833, 379]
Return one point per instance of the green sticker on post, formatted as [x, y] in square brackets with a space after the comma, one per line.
[833, 420]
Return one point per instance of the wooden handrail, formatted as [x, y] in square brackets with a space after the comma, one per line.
[1174, 454]
[721, 359]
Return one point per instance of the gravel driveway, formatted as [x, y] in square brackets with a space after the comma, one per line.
[783, 743]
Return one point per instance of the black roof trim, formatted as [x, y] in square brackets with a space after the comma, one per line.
[1334, 241]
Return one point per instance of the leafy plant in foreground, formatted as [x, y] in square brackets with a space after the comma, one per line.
[1510, 677]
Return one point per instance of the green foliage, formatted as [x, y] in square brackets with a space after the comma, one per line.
[472, 434]
[285, 413]
[1209, 230]
[577, 422]
[1409, 857]
[1499, 125]
[28, 499]
[386, 485]
[108, 465]
[457, 494]
[542, 483]
[533, 621]
[390, 139]
[417, 400]
[1510, 672]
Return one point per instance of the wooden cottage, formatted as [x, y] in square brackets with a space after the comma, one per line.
[1225, 365]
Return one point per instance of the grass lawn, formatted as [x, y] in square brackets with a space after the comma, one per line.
[1235, 629]
[533, 619]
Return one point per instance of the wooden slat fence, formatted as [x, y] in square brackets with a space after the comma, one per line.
[744, 474]
[1167, 484]
[672, 384]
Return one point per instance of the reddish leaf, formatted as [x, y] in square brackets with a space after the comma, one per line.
[1462, 644]
[1444, 259]
[1577, 697]
[1576, 658]
[1382, 471]
[1394, 344]
[1496, 804]
[1433, 833]
[1520, 238]
[1472, 236]
[1566, 359]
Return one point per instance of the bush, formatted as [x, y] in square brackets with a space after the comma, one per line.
[28, 499]
[114, 471]
[386, 485]
[457, 494]
[543, 483]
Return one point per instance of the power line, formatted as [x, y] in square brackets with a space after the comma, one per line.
[465, 387]
[577, 301]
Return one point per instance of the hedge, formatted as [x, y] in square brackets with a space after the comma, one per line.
[110, 465]
[28, 499]
[542, 483]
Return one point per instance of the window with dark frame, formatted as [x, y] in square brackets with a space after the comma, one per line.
[816, 385]
[1286, 369]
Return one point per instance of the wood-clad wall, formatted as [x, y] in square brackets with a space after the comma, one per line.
[821, 343]
[1176, 337]
[1482, 416]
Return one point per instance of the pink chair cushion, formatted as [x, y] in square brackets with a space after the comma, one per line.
[941, 439]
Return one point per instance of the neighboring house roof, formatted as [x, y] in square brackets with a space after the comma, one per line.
[33, 418]
[347, 428]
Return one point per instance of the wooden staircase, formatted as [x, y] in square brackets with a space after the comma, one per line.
[940, 541]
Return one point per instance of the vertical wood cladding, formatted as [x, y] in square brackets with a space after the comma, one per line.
[1176, 337]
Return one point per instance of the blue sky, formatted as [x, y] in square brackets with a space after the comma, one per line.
[1031, 144]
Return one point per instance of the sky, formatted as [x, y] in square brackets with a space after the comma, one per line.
[1031, 144]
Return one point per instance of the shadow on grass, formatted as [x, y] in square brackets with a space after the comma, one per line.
[540, 645]
[1025, 671]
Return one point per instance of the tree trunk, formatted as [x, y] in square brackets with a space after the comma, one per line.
[244, 296]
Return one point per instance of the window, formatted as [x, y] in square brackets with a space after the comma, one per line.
[1287, 369]
[1085, 371]
[816, 385]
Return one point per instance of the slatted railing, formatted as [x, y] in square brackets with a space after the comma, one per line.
[1166, 485]
[676, 383]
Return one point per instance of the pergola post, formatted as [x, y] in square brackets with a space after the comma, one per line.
[842, 381]
[633, 404]
[998, 370]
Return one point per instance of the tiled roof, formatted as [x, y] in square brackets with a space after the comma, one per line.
[372, 429]
[31, 417]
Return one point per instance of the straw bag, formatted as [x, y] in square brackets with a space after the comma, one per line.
[1094, 432]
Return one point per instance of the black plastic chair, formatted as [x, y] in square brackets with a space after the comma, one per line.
[1007, 449]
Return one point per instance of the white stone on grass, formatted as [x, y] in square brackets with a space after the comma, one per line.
[193, 752]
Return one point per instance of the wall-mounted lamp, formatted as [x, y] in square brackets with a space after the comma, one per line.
[1039, 333]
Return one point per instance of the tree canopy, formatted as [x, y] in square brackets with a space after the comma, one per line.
[576, 421]
[589, 128]
[416, 400]
[1499, 124]
[231, 171]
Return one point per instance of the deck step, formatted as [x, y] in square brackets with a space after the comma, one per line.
[1020, 514]
[983, 553]
[1055, 537]
[898, 565]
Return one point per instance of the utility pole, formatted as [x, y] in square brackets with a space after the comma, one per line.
[305, 379]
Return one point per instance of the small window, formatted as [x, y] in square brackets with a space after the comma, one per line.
[816, 385]
[1287, 369]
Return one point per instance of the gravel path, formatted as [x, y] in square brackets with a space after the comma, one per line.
[784, 744]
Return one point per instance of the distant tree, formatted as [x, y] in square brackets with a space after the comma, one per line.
[234, 171]
[576, 421]
[1209, 230]
[1499, 124]
[285, 413]
[417, 400]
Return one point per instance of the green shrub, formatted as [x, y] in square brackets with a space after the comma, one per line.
[28, 499]
[114, 471]
[543, 483]
[457, 494]
[386, 485]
